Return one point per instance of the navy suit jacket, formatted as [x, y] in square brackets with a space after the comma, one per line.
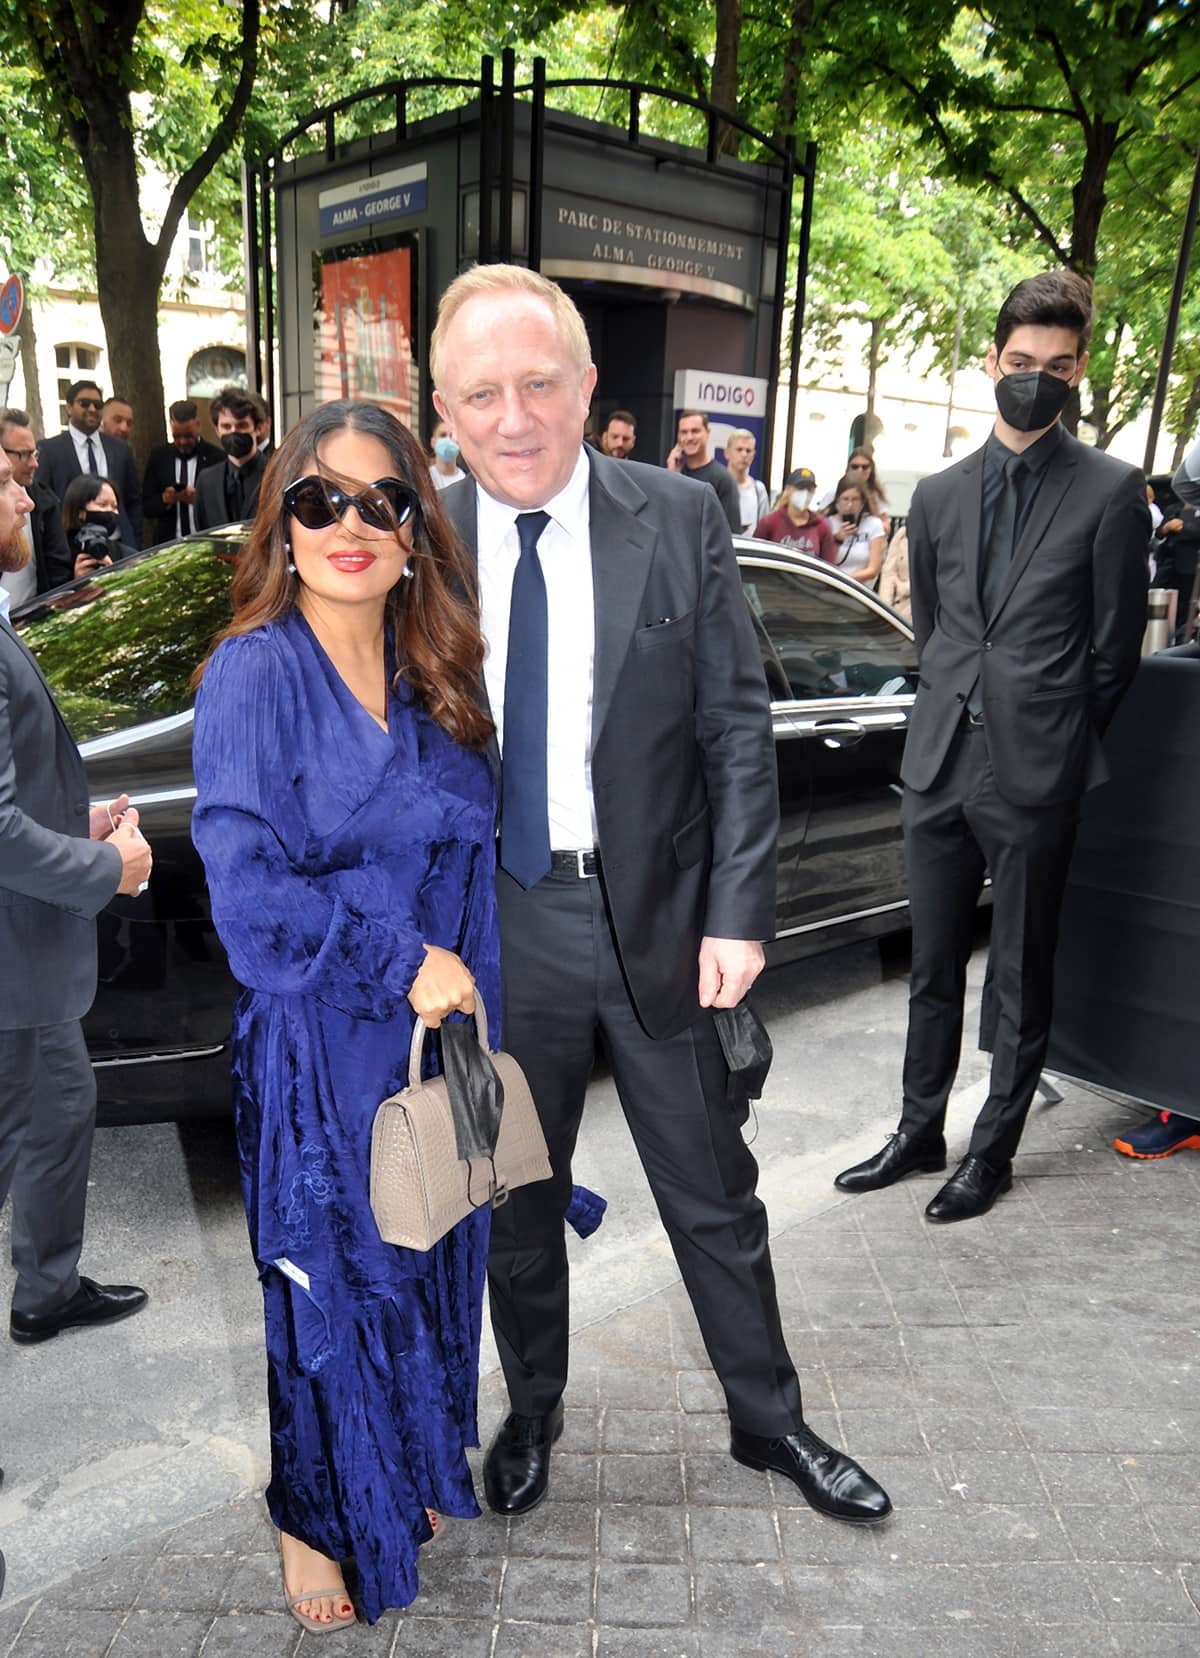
[683, 761]
[58, 464]
[53, 879]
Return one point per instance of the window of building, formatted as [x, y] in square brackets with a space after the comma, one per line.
[214, 367]
[73, 362]
[199, 245]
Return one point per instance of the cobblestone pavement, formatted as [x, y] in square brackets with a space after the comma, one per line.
[1024, 1384]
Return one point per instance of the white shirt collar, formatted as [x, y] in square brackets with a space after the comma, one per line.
[5, 602]
[570, 508]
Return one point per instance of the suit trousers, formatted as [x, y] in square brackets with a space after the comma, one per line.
[47, 1115]
[953, 834]
[563, 990]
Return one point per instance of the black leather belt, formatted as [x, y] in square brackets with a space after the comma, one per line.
[583, 864]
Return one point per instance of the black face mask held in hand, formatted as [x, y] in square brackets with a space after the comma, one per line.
[237, 445]
[1030, 401]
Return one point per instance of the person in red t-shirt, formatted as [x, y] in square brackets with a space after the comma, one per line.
[794, 524]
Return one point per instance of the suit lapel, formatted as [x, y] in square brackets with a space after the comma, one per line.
[622, 551]
[970, 506]
[1060, 471]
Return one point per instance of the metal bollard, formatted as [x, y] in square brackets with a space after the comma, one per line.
[1160, 620]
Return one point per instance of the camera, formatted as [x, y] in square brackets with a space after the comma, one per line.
[92, 539]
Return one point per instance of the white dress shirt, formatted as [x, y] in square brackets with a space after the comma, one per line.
[565, 552]
[80, 440]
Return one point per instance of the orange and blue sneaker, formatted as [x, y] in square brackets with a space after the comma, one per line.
[1162, 1136]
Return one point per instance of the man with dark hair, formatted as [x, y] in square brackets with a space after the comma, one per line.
[83, 447]
[692, 457]
[228, 493]
[1027, 563]
[116, 418]
[169, 484]
[50, 562]
[619, 435]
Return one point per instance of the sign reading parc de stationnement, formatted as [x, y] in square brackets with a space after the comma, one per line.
[654, 250]
[373, 201]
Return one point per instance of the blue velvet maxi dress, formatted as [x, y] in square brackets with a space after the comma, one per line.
[334, 850]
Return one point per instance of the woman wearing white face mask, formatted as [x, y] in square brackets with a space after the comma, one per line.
[795, 524]
[445, 469]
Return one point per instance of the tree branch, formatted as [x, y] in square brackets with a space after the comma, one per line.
[222, 137]
[1060, 57]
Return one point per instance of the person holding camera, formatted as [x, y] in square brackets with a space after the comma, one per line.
[857, 533]
[91, 516]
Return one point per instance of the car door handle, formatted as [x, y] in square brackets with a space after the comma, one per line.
[839, 733]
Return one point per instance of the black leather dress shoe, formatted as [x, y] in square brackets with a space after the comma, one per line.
[903, 1155]
[516, 1471]
[829, 1481]
[971, 1190]
[91, 1304]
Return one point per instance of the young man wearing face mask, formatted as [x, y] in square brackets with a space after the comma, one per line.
[1027, 563]
[228, 493]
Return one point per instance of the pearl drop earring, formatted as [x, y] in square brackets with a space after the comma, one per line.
[407, 571]
[287, 550]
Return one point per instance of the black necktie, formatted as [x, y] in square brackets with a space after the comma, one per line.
[92, 467]
[185, 517]
[524, 827]
[1002, 541]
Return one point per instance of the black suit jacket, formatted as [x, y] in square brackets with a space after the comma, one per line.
[683, 761]
[162, 471]
[1062, 645]
[58, 463]
[52, 557]
[53, 879]
[209, 506]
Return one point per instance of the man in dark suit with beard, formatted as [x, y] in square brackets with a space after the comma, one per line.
[637, 851]
[83, 447]
[1028, 569]
[169, 482]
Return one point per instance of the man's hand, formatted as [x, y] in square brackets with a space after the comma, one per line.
[1171, 527]
[444, 984]
[187, 496]
[728, 967]
[170, 495]
[103, 820]
[135, 853]
[675, 460]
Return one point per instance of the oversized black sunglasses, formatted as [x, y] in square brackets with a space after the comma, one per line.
[316, 503]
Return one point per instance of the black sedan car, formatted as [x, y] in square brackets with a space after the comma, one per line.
[120, 648]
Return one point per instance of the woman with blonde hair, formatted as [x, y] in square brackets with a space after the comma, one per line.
[345, 817]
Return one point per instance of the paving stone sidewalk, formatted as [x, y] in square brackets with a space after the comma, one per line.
[1025, 1385]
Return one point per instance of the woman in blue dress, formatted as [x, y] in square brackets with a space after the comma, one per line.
[345, 818]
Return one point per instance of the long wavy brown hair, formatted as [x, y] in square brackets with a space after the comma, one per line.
[433, 617]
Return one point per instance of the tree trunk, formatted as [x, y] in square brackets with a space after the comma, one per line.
[129, 272]
[1089, 198]
[793, 64]
[725, 70]
[873, 352]
[29, 369]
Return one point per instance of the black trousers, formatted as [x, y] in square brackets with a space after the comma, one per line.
[563, 987]
[953, 834]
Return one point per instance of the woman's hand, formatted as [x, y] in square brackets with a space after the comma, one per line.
[444, 985]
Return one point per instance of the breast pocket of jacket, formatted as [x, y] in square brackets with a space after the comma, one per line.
[671, 630]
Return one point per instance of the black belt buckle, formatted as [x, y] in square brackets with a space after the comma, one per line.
[585, 863]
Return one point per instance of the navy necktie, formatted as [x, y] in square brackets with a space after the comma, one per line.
[524, 827]
[92, 467]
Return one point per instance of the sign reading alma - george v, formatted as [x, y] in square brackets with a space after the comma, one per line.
[371, 201]
[601, 241]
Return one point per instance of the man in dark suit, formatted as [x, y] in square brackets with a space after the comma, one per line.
[228, 494]
[83, 447]
[169, 481]
[59, 865]
[42, 529]
[637, 853]
[1028, 569]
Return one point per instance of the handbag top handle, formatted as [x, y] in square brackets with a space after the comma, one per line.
[418, 1040]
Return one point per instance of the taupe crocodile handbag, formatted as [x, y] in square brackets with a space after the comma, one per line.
[420, 1186]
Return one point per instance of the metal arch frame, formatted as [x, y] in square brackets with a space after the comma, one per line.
[497, 139]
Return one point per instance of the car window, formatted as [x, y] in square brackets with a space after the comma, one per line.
[828, 642]
[121, 649]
